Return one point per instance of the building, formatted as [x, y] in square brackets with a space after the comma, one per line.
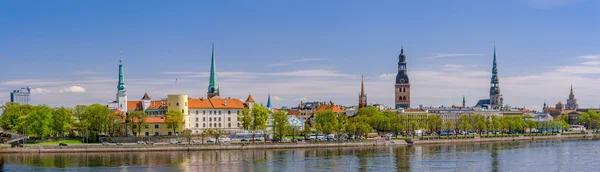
[402, 87]
[216, 112]
[120, 102]
[496, 101]
[20, 96]
[571, 102]
[452, 113]
[362, 97]
[296, 123]
[155, 126]
[540, 117]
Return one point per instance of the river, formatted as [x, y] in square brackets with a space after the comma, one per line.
[554, 155]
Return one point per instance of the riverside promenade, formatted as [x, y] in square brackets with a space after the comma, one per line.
[92, 148]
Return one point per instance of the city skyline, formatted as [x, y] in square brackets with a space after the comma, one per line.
[69, 68]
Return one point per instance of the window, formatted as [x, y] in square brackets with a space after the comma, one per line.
[219, 112]
[147, 134]
[196, 119]
[183, 111]
[146, 126]
[155, 125]
[219, 125]
[203, 118]
[170, 133]
[204, 112]
[210, 119]
[210, 125]
[186, 104]
[156, 133]
[196, 112]
[204, 125]
[177, 103]
[228, 118]
[228, 112]
[229, 125]
[210, 112]
[219, 119]
[196, 125]
[134, 126]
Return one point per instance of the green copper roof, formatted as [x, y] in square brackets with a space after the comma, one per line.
[121, 84]
[494, 68]
[213, 87]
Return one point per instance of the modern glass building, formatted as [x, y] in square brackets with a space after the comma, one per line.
[20, 96]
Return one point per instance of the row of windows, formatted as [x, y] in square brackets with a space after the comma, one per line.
[402, 98]
[216, 125]
[146, 126]
[213, 119]
[156, 133]
[401, 90]
[210, 112]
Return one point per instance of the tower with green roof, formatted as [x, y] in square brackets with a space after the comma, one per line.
[213, 86]
[121, 91]
[496, 99]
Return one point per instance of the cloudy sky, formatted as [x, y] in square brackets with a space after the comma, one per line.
[68, 51]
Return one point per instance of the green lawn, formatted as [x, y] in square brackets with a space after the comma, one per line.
[57, 142]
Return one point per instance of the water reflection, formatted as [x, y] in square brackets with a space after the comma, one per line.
[509, 156]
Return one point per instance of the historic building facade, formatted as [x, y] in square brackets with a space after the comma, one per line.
[571, 102]
[496, 101]
[402, 87]
[362, 97]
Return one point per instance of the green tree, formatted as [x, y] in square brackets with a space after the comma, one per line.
[326, 121]
[448, 125]
[40, 121]
[138, 118]
[245, 118]
[306, 130]
[281, 126]
[260, 115]
[397, 124]
[187, 133]
[434, 123]
[174, 120]
[342, 123]
[62, 121]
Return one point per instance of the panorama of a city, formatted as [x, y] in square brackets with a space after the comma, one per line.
[265, 85]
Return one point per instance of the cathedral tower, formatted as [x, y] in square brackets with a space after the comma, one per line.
[402, 91]
[213, 87]
[362, 97]
[572, 102]
[496, 99]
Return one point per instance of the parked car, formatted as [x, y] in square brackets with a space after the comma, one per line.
[210, 141]
[150, 142]
[244, 140]
[172, 141]
[224, 140]
[119, 144]
[105, 143]
[141, 143]
[62, 144]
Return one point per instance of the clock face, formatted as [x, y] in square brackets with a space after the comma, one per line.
[402, 80]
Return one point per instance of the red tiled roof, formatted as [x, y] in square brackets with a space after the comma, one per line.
[133, 105]
[199, 103]
[294, 112]
[249, 99]
[333, 108]
[229, 103]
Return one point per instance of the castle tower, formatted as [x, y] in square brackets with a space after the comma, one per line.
[213, 87]
[402, 92]
[362, 97]
[496, 100]
[269, 103]
[121, 91]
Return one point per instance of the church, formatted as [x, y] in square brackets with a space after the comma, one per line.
[496, 100]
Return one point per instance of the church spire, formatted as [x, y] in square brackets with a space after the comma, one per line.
[213, 86]
[464, 102]
[121, 83]
[269, 102]
[362, 85]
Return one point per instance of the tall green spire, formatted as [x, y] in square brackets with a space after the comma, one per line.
[213, 87]
[495, 69]
[121, 84]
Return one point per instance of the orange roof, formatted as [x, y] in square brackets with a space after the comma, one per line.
[134, 105]
[335, 109]
[559, 102]
[249, 99]
[152, 120]
[199, 103]
[222, 103]
[157, 104]
[294, 112]
[275, 110]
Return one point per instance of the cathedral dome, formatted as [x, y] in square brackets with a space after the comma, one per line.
[402, 78]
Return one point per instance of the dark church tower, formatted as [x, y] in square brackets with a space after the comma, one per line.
[362, 97]
[402, 86]
[496, 100]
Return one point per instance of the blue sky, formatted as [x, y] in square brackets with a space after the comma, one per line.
[68, 51]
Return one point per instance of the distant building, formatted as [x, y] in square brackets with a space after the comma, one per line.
[572, 102]
[540, 117]
[296, 123]
[402, 86]
[20, 96]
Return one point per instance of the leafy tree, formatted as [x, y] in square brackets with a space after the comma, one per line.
[342, 123]
[326, 121]
[434, 123]
[174, 119]
[397, 124]
[448, 125]
[281, 125]
[245, 118]
[187, 133]
[260, 115]
[62, 121]
[39, 121]
[138, 118]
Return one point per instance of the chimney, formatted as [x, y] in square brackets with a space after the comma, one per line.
[225, 102]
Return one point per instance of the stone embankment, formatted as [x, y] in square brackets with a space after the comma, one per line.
[507, 139]
[91, 148]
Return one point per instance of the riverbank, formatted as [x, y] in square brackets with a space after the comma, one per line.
[507, 139]
[91, 148]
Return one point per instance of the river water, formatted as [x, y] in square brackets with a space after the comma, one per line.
[556, 155]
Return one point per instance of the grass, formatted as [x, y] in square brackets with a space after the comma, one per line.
[57, 142]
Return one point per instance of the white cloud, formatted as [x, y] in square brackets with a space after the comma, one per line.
[579, 69]
[311, 73]
[590, 57]
[291, 62]
[591, 63]
[387, 76]
[73, 89]
[39, 90]
[276, 98]
[440, 55]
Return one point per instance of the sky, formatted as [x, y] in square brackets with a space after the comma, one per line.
[68, 51]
